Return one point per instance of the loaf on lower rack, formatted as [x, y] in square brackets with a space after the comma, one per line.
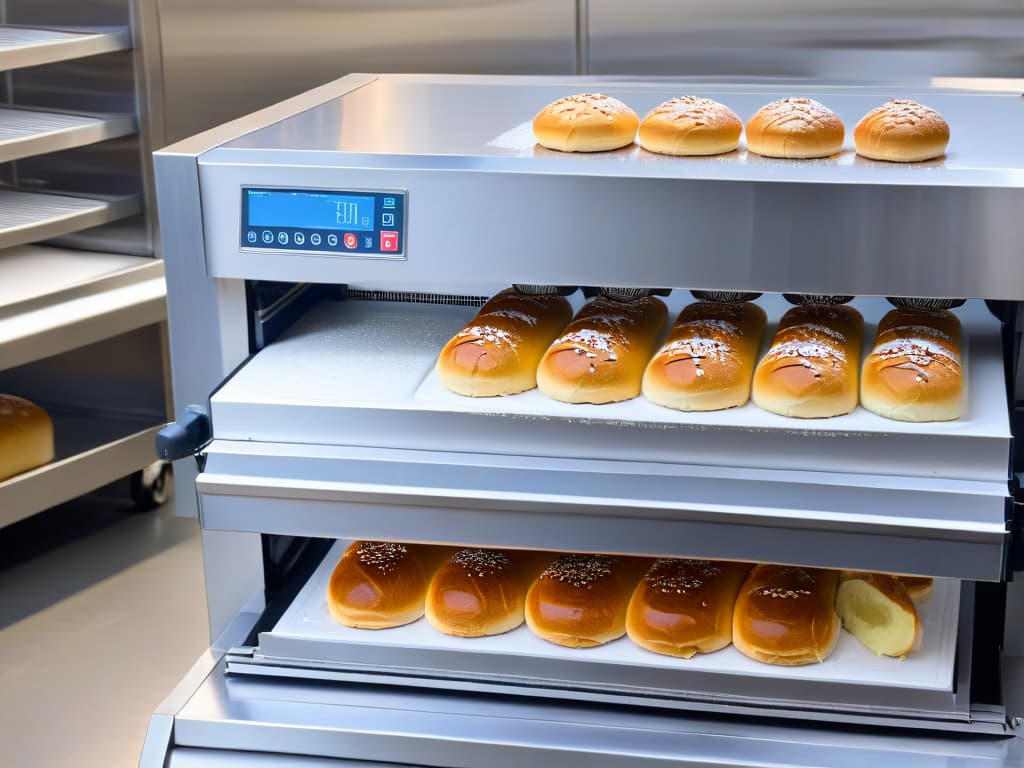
[708, 359]
[877, 610]
[601, 355]
[580, 601]
[785, 615]
[913, 372]
[811, 368]
[498, 352]
[377, 584]
[26, 436]
[479, 592]
[918, 587]
[684, 607]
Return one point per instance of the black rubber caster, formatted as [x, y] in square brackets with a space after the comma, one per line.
[152, 486]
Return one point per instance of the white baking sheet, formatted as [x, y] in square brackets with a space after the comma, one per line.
[932, 668]
[985, 411]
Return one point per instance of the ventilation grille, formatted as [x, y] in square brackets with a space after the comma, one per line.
[411, 297]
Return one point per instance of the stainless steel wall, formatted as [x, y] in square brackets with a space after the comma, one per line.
[831, 39]
[225, 58]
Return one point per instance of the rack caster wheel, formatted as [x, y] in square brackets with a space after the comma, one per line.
[152, 486]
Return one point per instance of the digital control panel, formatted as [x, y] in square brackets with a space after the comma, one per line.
[306, 220]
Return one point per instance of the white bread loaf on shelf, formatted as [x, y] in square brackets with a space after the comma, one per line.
[601, 355]
[795, 128]
[901, 131]
[877, 610]
[26, 436]
[784, 615]
[707, 362]
[811, 368]
[914, 371]
[498, 352]
[585, 122]
[684, 607]
[690, 125]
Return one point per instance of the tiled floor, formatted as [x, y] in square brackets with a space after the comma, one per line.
[101, 613]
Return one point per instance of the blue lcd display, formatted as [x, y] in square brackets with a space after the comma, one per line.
[311, 210]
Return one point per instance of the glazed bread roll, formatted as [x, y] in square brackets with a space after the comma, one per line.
[918, 587]
[708, 359]
[26, 436]
[586, 122]
[498, 352]
[913, 372]
[810, 370]
[684, 607]
[601, 355]
[784, 615]
[901, 131]
[876, 609]
[479, 592]
[376, 584]
[580, 601]
[795, 127]
[690, 125]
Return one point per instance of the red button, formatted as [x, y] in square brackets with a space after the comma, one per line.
[351, 241]
[389, 241]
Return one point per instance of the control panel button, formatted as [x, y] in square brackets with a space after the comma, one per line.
[332, 240]
[315, 238]
[389, 242]
[350, 240]
[367, 242]
[251, 236]
[387, 219]
[389, 202]
[268, 236]
[299, 238]
[282, 238]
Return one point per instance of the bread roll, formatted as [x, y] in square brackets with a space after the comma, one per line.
[580, 601]
[810, 370]
[586, 122]
[901, 131]
[708, 359]
[690, 125]
[784, 615]
[683, 607]
[913, 372]
[918, 587]
[601, 355]
[876, 609]
[498, 352]
[26, 436]
[376, 584]
[795, 127]
[479, 592]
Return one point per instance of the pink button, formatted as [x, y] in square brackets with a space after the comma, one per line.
[389, 241]
[350, 240]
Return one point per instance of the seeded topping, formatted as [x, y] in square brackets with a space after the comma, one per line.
[584, 105]
[674, 576]
[593, 340]
[796, 113]
[382, 555]
[699, 347]
[482, 562]
[694, 109]
[481, 334]
[818, 328]
[582, 571]
[779, 592]
[911, 331]
[514, 314]
[807, 350]
[904, 113]
[919, 351]
[14, 406]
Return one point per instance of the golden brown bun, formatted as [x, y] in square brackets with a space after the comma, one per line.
[901, 131]
[586, 122]
[376, 584]
[918, 587]
[810, 370]
[784, 615]
[580, 601]
[498, 352]
[708, 359]
[479, 592]
[601, 355]
[795, 127]
[876, 609]
[690, 125]
[913, 372]
[26, 436]
[683, 607]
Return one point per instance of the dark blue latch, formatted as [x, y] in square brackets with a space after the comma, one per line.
[184, 437]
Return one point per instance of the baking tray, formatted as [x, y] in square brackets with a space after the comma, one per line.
[852, 678]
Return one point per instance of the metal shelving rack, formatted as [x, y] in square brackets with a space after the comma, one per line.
[70, 318]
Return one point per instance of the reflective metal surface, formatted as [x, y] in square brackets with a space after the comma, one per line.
[832, 39]
[266, 51]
